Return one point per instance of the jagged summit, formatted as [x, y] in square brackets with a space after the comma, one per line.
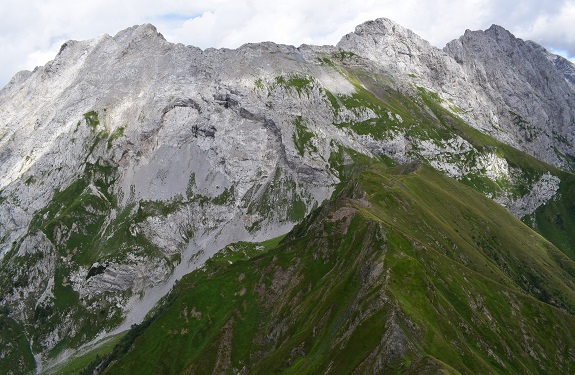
[142, 29]
[488, 74]
[138, 33]
[383, 38]
[381, 26]
[499, 32]
[510, 70]
[492, 39]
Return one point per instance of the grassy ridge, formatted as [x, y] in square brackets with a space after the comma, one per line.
[405, 271]
[425, 118]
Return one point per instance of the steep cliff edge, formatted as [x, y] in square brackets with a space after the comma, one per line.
[533, 90]
[513, 90]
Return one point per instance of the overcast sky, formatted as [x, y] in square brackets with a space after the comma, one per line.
[31, 31]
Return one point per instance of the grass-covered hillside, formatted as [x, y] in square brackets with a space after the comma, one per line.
[405, 271]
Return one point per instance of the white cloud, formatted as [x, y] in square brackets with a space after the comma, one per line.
[31, 31]
[555, 29]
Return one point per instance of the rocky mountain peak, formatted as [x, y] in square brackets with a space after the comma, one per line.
[382, 40]
[138, 32]
[499, 33]
[382, 26]
[517, 79]
[492, 41]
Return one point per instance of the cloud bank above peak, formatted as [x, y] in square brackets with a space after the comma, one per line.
[31, 32]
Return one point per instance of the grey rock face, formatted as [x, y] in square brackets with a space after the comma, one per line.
[174, 148]
[416, 63]
[533, 92]
[542, 191]
[513, 90]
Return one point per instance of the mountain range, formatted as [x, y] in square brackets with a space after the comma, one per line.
[378, 206]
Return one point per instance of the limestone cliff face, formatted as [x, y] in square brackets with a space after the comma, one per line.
[516, 91]
[532, 91]
[416, 63]
[127, 161]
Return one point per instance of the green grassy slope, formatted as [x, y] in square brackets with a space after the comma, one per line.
[406, 271]
[425, 116]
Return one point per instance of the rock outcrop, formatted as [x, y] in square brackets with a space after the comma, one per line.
[513, 90]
